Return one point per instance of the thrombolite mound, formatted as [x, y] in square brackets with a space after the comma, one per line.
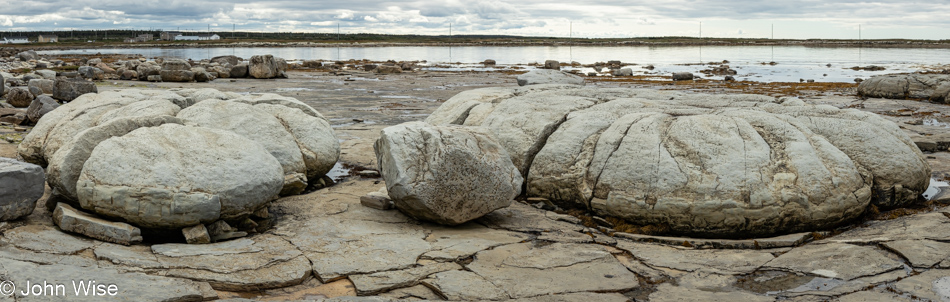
[706, 165]
[169, 159]
[935, 87]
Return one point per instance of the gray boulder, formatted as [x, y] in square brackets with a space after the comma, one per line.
[547, 76]
[47, 74]
[27, 55]
[709, 165]
[3, 86]
[128, 75]
[21, 185]
[682, 76]
[552, 64]
[201, 75]
[935, 87]
[217, 175]
[91, 73]
[177, 75]
[266, 67]
[147, 69]
[40, 86]
[67, 89]
[388, 69]
[623, 72]
[175, 64]
[231, 60]
[40, 106]
[239, 71]
[445, 174]
[19, 97]
[94, 62]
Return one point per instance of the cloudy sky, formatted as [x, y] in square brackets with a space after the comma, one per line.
[834, 19]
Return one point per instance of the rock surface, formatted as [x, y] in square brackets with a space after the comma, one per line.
[71, 220]
[549, 76]
[19, 97]
[40, 106]
[266, 67]
[935, 87]
[68, 90]
[21, 185]
[445, 174]
[660, 157]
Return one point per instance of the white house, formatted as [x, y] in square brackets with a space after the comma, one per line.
[197, 38]
[15, 40]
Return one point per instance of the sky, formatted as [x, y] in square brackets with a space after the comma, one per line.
[790, 19]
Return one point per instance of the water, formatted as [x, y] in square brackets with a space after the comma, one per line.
[794, 62]
[935, 188]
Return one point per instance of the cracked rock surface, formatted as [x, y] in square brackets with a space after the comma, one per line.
[709, 165]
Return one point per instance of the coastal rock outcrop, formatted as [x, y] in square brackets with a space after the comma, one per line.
[708, 165]
[223, 155]
[445, 174]
[266, 67]
[935, 87]
[548, 76]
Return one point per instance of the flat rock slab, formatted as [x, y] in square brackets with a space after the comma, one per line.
[836, 260]
[465, 240]
[129, 286]
[789, 240]
[521, 217]
[374, 283]
[527, 270]
[921, 253]
[718, 261]
[667, 292]
[71, 220]
[46, 239]
[933, 285]
[918, 226]
[342, 247]
[464, 286]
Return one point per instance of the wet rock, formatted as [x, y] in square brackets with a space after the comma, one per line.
[525, 270]
[466, 175]
[196, 234]
[552, 64]
[729, 78]
[370, 284]
[21, 185]
[581, 145]
[853, 261]
[266, 67]
[547, 76]
[682, 76]
[40, 86]
[68, 90]
[69, 219]
[19, 97]
[458, 285]
[932, 285]
[135, 195]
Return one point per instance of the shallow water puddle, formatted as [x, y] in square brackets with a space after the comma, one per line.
[339, 172]
[935, 188]
[936, 122]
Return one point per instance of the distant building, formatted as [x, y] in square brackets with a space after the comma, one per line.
[169, 35]
[130, 40]
[197, 38]
[15, 40]
[145, 38]
[48, 39]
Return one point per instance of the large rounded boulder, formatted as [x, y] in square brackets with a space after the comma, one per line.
[164, 159]
[706, 165]
[445, 174]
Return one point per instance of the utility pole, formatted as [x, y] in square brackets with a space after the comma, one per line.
[700, 30]
[571, 29]
[773, 31]
[232, 30]
[450, 30]
[859, 32]
[338, 31]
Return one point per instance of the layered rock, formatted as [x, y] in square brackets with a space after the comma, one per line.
[713, 165]
[446, 174]
[21, 185]
[172, 159]
[935, 87]
[548, 76]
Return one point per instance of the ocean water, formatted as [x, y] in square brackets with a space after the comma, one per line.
[793, 63]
